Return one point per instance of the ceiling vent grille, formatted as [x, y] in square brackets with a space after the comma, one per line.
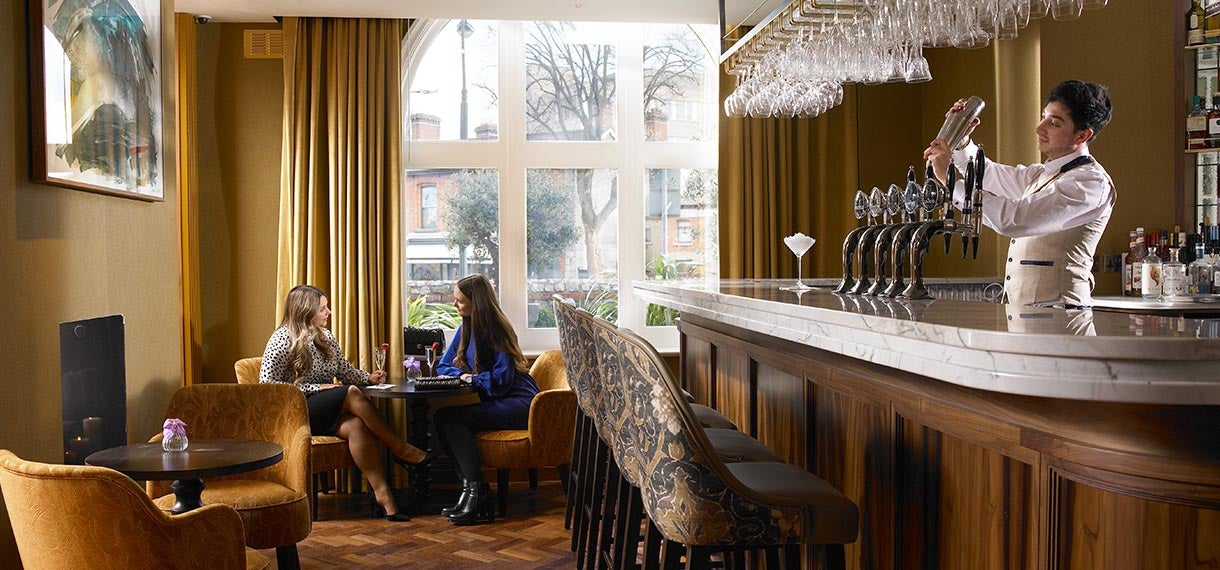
[264, 44]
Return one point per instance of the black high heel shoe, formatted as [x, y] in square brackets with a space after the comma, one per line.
[462, 501]
[379, 511]
[477, 507]
[429, 457]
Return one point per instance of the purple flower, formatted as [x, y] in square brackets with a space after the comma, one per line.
[411, 364]
[172, 427]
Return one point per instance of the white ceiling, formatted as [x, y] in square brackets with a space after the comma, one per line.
[675, 11]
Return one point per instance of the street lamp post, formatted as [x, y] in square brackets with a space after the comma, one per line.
[465, 30]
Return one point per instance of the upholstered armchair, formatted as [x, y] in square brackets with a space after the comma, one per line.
[547, 441]
[273, 502]
[69, 516]
[327, 452]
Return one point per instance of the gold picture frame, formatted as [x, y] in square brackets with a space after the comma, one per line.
[95, 96]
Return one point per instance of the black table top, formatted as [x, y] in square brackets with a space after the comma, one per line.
[203, 458]
[408, 391]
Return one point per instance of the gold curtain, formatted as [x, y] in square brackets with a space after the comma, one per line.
[782, 176]
[340, 226]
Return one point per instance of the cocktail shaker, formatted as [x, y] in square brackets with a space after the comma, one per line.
[958, 122]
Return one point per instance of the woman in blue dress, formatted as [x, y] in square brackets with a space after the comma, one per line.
[486, 354]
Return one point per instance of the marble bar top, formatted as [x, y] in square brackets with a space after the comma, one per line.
[1034, 351]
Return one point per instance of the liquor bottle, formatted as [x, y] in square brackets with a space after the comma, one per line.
[1211, 21]
[1174, 273]
[1213, 122]
[1196, 126]
[1137, 264]
[1194, 24]
[1153, 283]
[1212, 261]
[1200, 273]
[1128, 259]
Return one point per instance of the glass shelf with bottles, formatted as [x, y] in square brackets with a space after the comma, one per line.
[1203, 120]
[1203, 133]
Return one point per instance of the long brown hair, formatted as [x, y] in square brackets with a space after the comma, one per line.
[491, 329]
[300, 307]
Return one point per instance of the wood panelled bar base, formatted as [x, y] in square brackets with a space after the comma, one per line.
[953, 477]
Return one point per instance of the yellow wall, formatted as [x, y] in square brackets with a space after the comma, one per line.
[1133, 53]
[240, 118]
[67, 255]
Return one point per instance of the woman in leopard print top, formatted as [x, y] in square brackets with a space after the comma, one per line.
[305, 353]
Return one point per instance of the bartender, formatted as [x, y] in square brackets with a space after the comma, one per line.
[1053, 213]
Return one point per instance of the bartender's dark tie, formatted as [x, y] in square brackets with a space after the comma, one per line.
[1073, 164]
[1076, 163]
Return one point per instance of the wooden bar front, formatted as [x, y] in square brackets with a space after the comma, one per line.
[951, 477]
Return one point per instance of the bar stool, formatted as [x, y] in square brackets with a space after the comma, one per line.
[607, 508]
[695, 499]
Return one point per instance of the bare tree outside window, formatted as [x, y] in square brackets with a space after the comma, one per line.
[570, 96]
[674, 77]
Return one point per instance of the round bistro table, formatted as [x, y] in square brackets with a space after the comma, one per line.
[187, 468]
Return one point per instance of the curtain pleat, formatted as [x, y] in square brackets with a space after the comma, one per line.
[782, 176]
[340, 206]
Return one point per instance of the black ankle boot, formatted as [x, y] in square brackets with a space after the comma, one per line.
[480, 505]
[462, 500]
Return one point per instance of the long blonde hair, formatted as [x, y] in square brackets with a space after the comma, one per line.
[491, 329]
[300, 308]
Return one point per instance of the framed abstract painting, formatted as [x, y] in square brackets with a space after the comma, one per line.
[96, 113]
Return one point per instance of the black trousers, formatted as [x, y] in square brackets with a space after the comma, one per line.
[456, 427]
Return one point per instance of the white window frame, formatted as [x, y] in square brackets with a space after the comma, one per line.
[511, 155]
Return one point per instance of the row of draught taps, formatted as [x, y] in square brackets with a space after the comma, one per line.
[901, 224]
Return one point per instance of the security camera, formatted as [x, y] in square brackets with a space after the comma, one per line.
[202, 19]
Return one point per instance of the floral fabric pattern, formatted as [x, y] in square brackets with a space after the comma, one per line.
[102, 519]
[277, 365]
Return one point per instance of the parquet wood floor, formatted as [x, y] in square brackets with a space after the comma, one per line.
[532, 537]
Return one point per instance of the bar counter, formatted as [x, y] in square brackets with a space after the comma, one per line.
[973, 434]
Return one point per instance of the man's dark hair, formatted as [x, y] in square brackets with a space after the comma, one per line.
[1088, 104]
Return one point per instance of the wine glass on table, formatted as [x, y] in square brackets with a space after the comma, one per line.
[379, 354]
[430, 356]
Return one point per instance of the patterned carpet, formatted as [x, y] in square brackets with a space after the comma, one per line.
[531, 537]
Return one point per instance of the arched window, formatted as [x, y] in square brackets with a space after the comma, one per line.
[559, 146]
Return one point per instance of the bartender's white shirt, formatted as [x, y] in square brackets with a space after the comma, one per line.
[1077, 197]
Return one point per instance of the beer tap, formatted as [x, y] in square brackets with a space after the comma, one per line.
[932, 198]
[968, 209]
[902, 236]
[948, 204]
[876, 207]
[893, 211]
[980, 160]
[860, 209]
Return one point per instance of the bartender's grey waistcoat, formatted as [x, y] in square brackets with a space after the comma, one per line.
[1055, 266]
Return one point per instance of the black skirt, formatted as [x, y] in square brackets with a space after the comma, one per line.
[325, 407]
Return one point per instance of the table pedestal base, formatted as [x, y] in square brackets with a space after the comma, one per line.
[186, 495]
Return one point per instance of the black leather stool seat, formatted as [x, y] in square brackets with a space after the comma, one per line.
[734, 446]
[710, 418]
[834, 517]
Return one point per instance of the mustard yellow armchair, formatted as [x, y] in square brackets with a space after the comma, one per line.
[327, 452]
[547, 441]
[69, 516]
[274, 501]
